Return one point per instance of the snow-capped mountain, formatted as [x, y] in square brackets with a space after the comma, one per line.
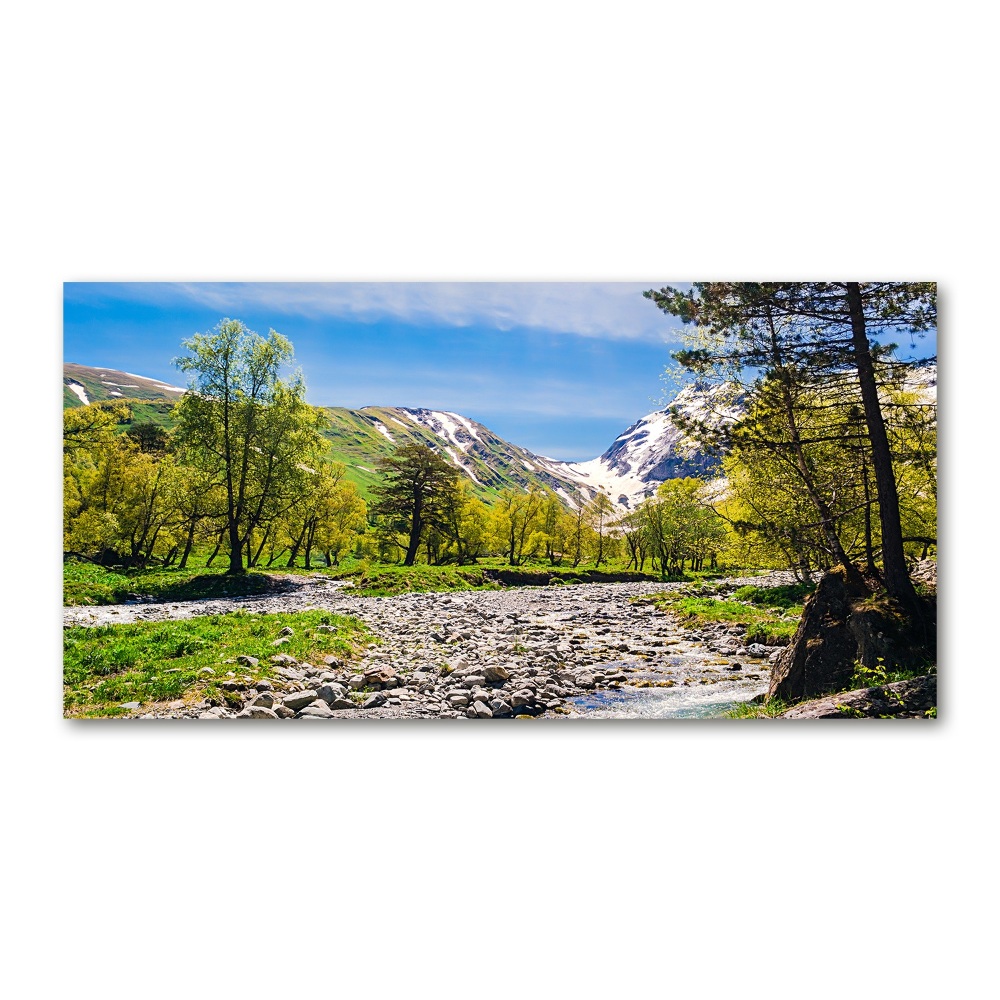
[649, 452]
[360, 437]
[655, 449]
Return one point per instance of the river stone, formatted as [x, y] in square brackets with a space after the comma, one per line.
[284, 712]
[256, 712]
[264, 686]
[317, 710]
[285, 659]
[376, 700]
[499, 707]
[248, 661]
[338, 704]
[263, 700]
[757, 651]
[585, 679]
[330, 692]
[479, 711]
[379, 675]
[356, 682]
[300, 699]
[286, 631]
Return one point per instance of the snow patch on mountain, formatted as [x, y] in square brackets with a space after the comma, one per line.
[655, 449]
[384, 431]
[79, 391]
[456, 430]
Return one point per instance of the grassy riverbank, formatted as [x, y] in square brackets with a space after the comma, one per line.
[86, 584]
[152, 663]
[770, 615]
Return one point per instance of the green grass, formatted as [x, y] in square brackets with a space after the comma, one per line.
[758, 710]
[776, 597]
[773, 625]
[379, 580]
[88, 584]
[156, 662]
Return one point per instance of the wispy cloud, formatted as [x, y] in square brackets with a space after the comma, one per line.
[609, 310]
[478, 393]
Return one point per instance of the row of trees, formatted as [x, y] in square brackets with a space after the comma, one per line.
[242, 472]
[243, 475]
[817, 474]
[421, 504]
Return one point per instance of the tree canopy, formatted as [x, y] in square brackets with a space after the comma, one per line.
[244, 420]
[814, 344]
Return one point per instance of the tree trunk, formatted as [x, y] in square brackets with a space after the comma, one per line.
[188, 543]
[416, 527]
[897, 578]
[235, 550]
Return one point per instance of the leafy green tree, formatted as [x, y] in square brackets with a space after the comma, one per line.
[518, 519]
[417, 491]
[465, 527]
[85, 426]
[243, 420]
[681, 526]
[814, 330]
[600, 514]
[149, 437]
[632, 528]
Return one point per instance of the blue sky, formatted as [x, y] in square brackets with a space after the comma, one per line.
[559, 368]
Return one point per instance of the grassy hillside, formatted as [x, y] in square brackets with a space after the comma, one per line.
[358, 438]
[103, 384]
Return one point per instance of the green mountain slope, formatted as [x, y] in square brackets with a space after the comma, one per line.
[83, 384]
[358, 438]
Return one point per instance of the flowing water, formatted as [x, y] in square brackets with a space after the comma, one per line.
[698, 691]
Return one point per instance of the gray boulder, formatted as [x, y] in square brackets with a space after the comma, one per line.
[256, 712]
[299, 700]
[317, 710]
[331, 691]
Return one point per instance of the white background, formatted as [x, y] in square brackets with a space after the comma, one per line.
[518, 141]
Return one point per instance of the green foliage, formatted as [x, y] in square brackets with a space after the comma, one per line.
[765, 626]
[417, 494]
[88, 584]
[880, 674]
[790, 596]
[758, 710]
[813, 465]
[152, 662]
[85, 583]
[251, 427]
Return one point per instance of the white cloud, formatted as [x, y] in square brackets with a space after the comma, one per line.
[608, 310]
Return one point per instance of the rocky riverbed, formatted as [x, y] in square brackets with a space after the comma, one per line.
[583, 650]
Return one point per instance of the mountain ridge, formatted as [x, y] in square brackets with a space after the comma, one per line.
[647, 453]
